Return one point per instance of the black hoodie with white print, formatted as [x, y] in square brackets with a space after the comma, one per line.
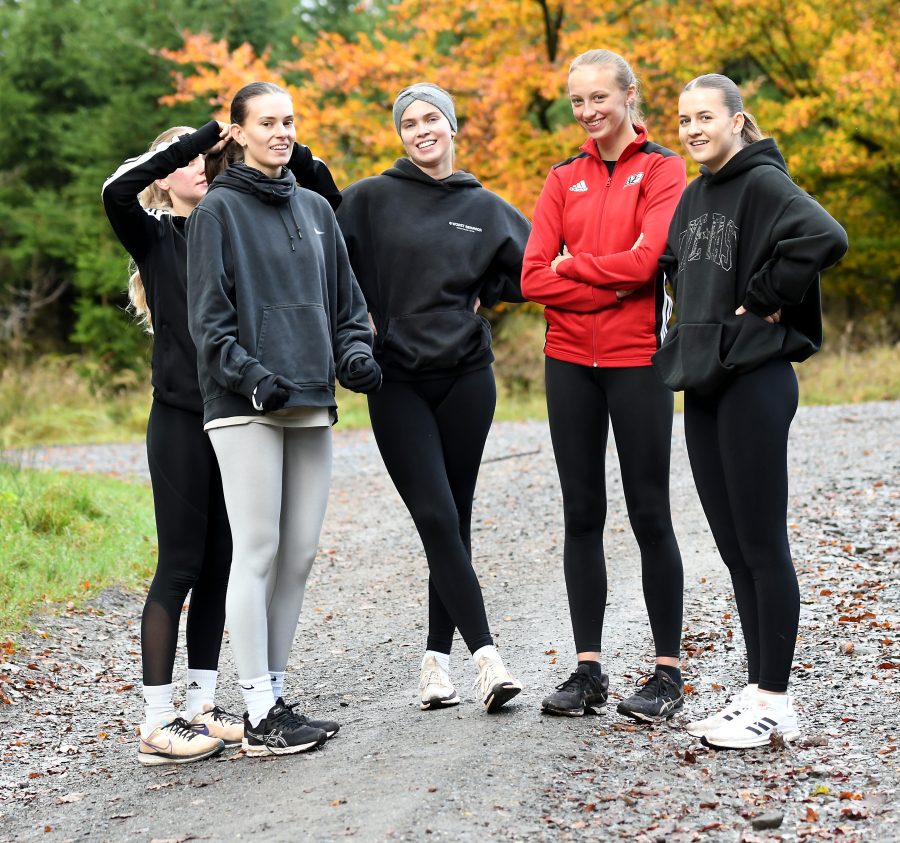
[270, 291]
[744, 236]
[423, 251]
[156, 241]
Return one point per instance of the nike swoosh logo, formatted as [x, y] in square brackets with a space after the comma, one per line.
[317, 231]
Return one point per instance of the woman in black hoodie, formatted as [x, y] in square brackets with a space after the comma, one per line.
[429, 246]
[148, 200]
[745, 249]
[275, 313]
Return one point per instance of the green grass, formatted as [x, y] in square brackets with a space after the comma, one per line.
[63, 537]
[870, 375]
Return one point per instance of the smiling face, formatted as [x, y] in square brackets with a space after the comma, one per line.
[268, 133]
[707, 131]
[428, 138]
[600, 106]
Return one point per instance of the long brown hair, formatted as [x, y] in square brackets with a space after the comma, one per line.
[218, 162]
[152, 196]
[732, 100]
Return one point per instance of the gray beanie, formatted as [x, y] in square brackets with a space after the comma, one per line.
[427, 92]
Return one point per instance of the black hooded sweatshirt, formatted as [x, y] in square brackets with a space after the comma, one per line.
[744, 236]
[155, 239]
[270, 291]
[423, 250]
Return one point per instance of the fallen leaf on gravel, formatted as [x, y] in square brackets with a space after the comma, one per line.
[847, 794]
[777, 741]
[711, 826]
[589, 807]
[121, 816]
[811, 815]
[161, 786]
[339, 802]
[816, 740]
[855, 813]
[71, 797]
[172, 839]
[550, 652]
[579, 824]
[846, 647]
[689, 757]
[821, 790]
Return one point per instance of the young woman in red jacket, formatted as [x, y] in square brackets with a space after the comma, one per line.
[599, 230]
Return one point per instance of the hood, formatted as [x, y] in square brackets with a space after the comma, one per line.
[248, 180]
[759, 154]
[405, 169]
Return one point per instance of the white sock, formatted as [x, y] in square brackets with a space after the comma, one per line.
[277, 678]
[257, 697]
[157, 702]
[443, 659]
[777, 701]
[489, 652]
[201, 690]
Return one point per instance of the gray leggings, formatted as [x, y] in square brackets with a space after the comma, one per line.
[276, 482]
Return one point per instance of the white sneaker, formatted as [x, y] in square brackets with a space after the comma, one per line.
[754, 726]
[736, 705]
[437, 689]
[172, 741]
[495, 683]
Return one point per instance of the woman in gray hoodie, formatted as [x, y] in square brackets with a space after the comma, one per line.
[276, 314]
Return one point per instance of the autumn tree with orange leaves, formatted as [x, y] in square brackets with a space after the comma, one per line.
[821, 77]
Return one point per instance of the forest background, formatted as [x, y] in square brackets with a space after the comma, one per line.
[85, 84]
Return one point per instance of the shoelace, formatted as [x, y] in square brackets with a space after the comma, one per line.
[180, 728]
[578, 682]
[436, 675]
[490, 676]
[300, 718]
[651, 685]
[226, 718]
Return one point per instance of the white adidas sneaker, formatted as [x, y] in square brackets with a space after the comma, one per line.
[437, 689]
[754, 726]
[709, 724]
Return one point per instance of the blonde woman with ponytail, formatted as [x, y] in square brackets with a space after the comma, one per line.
[148, 200]
[743, 257]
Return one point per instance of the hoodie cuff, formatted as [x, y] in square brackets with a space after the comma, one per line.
[250, 378]
[760, 307]
[204, 138]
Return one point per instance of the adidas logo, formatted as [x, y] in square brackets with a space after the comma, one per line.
[193, 687]
[581, 187]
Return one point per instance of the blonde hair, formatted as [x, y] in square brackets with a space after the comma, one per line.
[625, 77]
[732, 100]
[152, 196]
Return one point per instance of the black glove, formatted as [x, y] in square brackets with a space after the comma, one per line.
[272, 393]
[364, 375]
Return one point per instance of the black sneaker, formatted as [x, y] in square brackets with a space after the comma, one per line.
[581, 692]
[280, 733]
[658, 698]
[329, 727]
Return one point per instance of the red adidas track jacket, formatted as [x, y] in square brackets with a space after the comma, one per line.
[599, 217]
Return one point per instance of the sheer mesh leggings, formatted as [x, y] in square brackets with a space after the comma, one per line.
[194, 545]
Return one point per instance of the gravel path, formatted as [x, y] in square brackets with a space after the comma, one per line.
[396, 773]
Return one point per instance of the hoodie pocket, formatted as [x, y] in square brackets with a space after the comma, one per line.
[435, 340]
[295, 341]
[691, 358]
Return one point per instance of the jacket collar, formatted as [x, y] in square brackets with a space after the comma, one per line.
[591, 148]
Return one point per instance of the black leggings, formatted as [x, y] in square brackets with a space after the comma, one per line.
[581, 400]
[431, 435]
[194, 545]
[737, 442]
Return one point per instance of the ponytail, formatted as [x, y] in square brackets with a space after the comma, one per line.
[218, 162]
[733, 101]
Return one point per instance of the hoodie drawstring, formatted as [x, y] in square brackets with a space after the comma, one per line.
[287, 228]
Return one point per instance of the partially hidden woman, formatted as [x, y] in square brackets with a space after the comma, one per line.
[275, 312]
[148, 200]
[428, 245]
[745, 249]
[600, 228]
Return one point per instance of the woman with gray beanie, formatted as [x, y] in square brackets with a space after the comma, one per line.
[429, 246]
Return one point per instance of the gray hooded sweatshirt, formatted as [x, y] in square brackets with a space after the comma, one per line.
[270, 291]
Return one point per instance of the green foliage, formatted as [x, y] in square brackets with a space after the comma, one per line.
[65, 537]
[80, 83]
